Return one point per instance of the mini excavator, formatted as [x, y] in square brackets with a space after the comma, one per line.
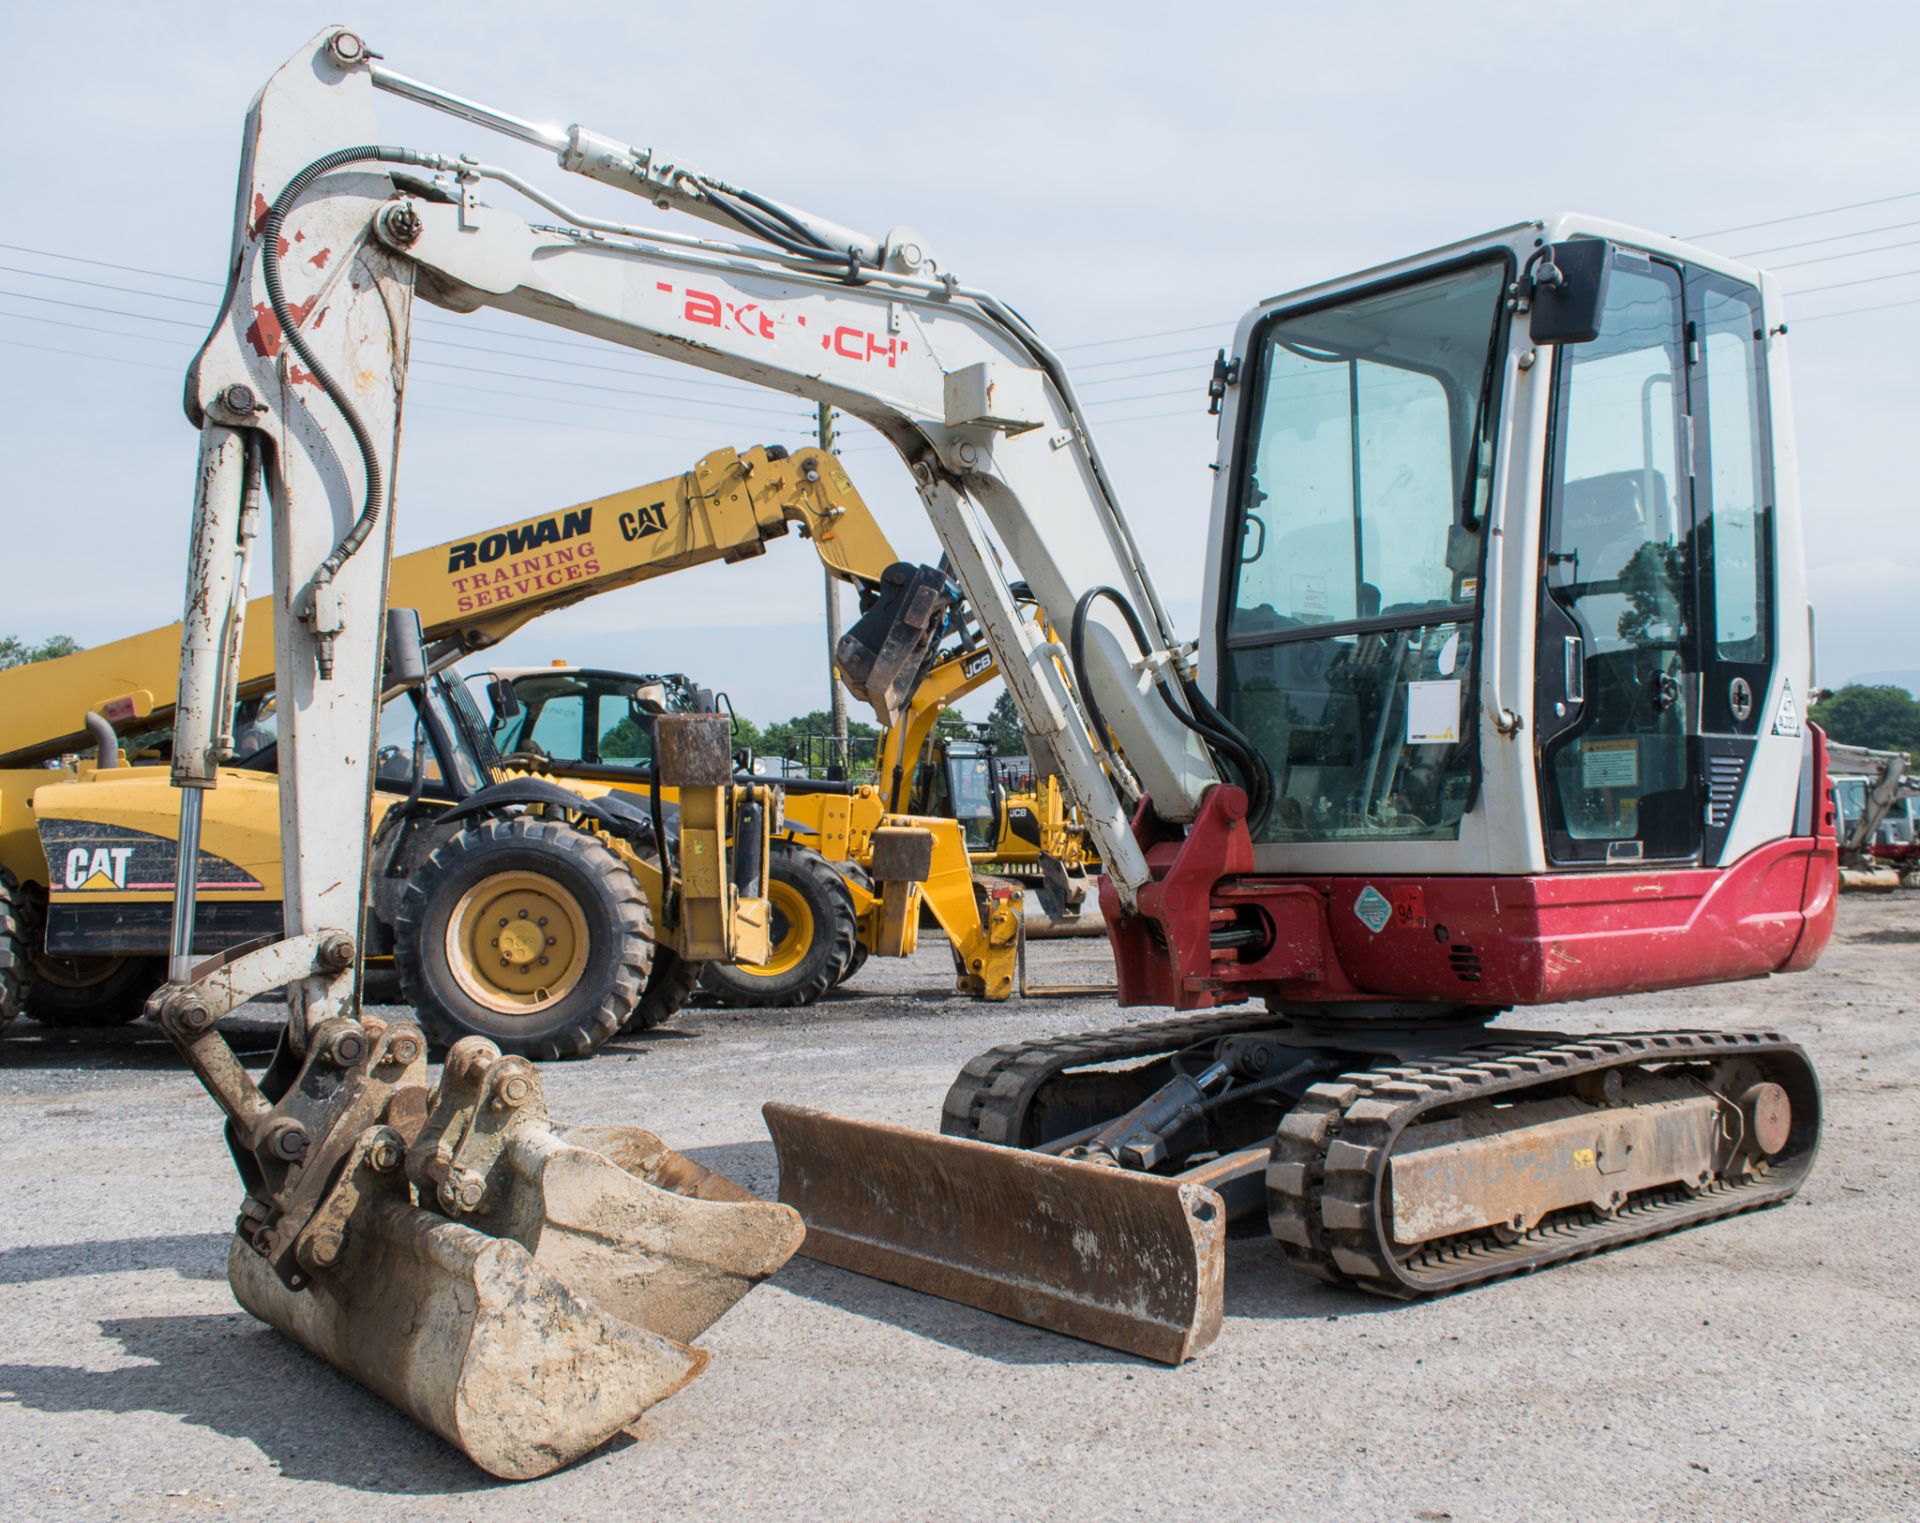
[1496, 702]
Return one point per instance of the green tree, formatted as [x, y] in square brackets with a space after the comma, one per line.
[806, 738]
[748, 734]
[1003, 727]
[1881, 718]
[16, 652]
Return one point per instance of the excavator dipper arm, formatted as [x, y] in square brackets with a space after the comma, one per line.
[447, 1246]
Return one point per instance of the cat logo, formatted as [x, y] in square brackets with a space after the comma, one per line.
[651, 519]
[103, 867]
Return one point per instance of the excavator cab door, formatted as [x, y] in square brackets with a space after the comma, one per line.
[1655, 647]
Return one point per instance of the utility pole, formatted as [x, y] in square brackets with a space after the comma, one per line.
[837, 700]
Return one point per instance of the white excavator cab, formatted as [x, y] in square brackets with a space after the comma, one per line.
[1497, 595]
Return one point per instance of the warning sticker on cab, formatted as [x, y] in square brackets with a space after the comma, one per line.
[1786, 718]
[1373, 909]
[1610, 764]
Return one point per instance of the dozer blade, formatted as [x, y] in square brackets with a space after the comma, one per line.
[1124, 1259]
[470, 1337]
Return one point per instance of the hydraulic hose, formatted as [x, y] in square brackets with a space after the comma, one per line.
[1218, 733]
[270, 227]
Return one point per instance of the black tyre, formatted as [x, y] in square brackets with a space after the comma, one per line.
[669, 986]
[854, 964]
[857, 959]
[13, 953]
[525, 931]
[813, 936]
[78, 992]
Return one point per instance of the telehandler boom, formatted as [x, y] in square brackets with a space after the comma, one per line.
[1496, 702]
[92, 938]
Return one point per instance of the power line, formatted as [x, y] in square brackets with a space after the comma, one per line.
[54, 322]
[1145, 375]
[129, 269]
[1141, 359]
[1146, 396]
[1841, 285]
[1851, 206]
[114, 359]
[82, 306]
[1807, 243]
[1135, 338]
[101, 285]
[1855, 311]
[82, 354]
[1878, 248]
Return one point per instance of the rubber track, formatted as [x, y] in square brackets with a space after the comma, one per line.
[1330, 1156]
[989, 1100]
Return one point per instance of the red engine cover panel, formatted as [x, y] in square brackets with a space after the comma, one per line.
[1462, 940]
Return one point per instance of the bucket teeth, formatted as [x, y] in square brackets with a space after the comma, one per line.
[1123, 1259]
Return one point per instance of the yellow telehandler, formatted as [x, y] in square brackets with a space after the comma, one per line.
[829, 905]
[87, 850]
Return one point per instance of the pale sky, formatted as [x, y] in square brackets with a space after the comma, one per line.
[1114, 170]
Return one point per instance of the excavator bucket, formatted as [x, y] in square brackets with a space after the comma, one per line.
[523, 1290]
[471, 1338]
[1119, 1258]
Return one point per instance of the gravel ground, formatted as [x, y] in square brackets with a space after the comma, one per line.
[1763, 1367]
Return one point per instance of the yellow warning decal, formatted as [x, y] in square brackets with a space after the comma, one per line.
[1583, 1158]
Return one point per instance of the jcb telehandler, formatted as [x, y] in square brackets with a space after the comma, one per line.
[839, 844]
[1496, 703]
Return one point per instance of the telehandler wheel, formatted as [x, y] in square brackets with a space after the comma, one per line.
[857, 959]
[669, 986]
[88, 992]
[813, 936]
[13, 952]
[525, 931]
[854, 963]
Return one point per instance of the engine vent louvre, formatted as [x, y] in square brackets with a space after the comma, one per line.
[1724, 774]
[1466, 962]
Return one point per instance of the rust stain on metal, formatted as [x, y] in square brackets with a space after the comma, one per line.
[263, 333]
[1511, 1171]
[1124, 1259]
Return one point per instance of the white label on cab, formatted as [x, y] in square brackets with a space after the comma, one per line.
[1433, 712]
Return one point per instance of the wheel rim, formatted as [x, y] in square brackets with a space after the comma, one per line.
[790, 927]
[517, 942]
[77, 973]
